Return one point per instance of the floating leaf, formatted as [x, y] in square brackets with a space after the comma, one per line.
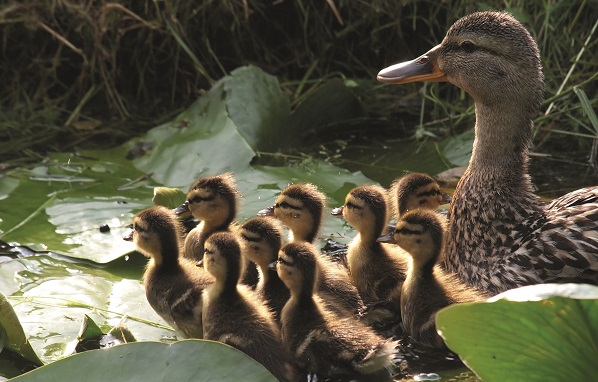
[57, 294]
[168, 197]
[539, 333]
[189, 360]
[15, 338]
[259, 108]
[207, 142]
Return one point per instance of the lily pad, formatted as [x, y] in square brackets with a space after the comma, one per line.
[259, 108]
[15, 340]
[539, 333]
[168, 197]
[189, 360]
[55, 295]
[207, 142]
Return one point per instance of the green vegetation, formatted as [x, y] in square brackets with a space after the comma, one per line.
[94, 73]
[545, 332]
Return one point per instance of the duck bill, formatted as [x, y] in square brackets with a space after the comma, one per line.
[388, 238]
[272, 265]
[338, 211]
[266, 211]
[424, 68]
[199, 264]
[183, 210]
[446, 198]
[128, 236]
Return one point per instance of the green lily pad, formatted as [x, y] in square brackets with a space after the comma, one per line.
[259, 108]
[538, 333]
[207, 142]
[54, 295]
[15, 338]
[168, 197]
[189, 360]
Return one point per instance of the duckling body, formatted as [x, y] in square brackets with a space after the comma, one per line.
[301, 208]
[173, 285]
[416, 190]
[261, 239]
[214, 200]
[501, 235]
[232, 314]
[324, 341]
[376, 269]
[427, 287]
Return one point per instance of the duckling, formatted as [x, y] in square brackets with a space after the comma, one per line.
[232, 314]
[324, 341]
[376, 269]
[173, 285]
[427, 287]
[416, 190]
[214, 200]
[261, 239]
[300, 207]
[502, 236]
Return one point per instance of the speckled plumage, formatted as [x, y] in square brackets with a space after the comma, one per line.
[501, 236]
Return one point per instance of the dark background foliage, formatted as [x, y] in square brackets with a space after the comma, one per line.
[99, 71]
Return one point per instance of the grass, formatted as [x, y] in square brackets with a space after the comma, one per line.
[88, 72]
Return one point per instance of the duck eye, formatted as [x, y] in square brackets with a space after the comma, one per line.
[467, 46]
[353, 206]
[284, 205]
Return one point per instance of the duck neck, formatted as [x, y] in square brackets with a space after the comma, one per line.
[169, 255]
[494, 198]
[501, 146]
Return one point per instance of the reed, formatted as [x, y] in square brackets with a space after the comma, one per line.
[75, 72]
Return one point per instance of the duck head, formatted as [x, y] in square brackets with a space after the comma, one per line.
[484, 53]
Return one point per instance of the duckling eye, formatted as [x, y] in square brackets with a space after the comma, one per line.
[422, 202]
[137, 228]
[351, 205]
[467, 46]
[284, 262]
[199, 199]
[283, 205]
[208, 251]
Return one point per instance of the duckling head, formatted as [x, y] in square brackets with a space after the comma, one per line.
[261, 239]
[213, 199]
[157, 234]
[222, 257]
[297, 267]
[300, 207]
[416, 190]
[421, 233]
[365, 209]
[490, 55]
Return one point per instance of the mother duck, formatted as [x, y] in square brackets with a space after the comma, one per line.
[501, 235]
